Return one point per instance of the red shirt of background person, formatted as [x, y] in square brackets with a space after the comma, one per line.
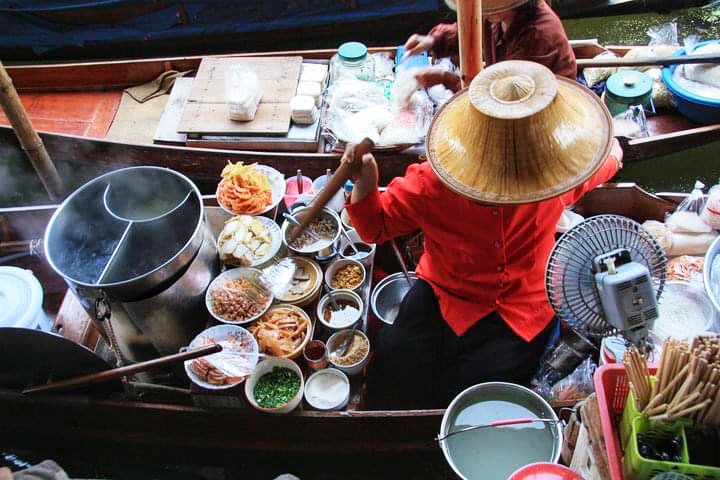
[497, 266]
[530, 31]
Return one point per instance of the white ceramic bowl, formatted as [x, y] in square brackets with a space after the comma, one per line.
[277, 186]
[313, 390]
[234, 274]
[276, 242]
[332, 343]
[266, 366]
[221, 334]
[333, 268]
[339, 295]
[317, 246]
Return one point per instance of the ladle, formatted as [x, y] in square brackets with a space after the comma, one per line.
[331, 297]
[342, 349]
[399, 256]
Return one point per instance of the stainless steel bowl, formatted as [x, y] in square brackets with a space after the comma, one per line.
[711, 276]
[388, 295]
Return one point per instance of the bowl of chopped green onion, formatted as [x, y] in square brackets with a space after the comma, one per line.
[276, 386]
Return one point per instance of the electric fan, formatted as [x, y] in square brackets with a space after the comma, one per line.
[605, 275]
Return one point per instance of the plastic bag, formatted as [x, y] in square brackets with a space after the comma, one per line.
[665, 34]
[686, 217]
[576, 386]
[438, 93]
[383, 65]
[631, 123]
[595, 75]
[403, 88]
[242, 92]
[711, 210]
[701, 79]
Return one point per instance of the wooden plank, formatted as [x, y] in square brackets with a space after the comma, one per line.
[205, 111]
[212, 118]
[166, 133]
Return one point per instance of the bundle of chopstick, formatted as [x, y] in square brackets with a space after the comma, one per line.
[688, 381]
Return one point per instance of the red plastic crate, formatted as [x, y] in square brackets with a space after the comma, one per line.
[611, 387]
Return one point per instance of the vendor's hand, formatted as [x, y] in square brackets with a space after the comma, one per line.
[428, 77]
[5, 474]
[417, 44]
[617, 152]
[365, 175]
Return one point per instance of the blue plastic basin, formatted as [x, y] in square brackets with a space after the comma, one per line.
[699, 109]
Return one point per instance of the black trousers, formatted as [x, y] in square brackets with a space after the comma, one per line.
[419, 362]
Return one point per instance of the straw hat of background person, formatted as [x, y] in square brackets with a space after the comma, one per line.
[518, 135]
[491, 7]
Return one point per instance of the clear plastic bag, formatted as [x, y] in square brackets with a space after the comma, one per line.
[576, 386]
[711, 210]
[595, 75]
[631, 123]
[242, 92]
[686, 217]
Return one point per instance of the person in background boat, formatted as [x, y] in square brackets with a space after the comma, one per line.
[466, 320]
[514, 30]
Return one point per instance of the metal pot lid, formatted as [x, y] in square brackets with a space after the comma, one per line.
[32, 357]
[124, 226]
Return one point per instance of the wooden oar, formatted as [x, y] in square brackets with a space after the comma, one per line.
[335, 183]
[648, 61]
[29, 139]
[116, 373]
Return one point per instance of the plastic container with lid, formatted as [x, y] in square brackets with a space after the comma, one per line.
[628, 87]
[21, 298]
[352, 58]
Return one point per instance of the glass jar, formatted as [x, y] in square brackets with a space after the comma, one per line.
[352, 58]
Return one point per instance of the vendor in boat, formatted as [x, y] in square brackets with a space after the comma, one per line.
[513, 30]
[505, 156]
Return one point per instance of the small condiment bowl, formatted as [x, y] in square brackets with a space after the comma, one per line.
[315, 247]
[218, 334]
[313, 390]
[234, 274]
[333, 342]
[310, 295]
[338, 264]
[267, 366]
[341, 295]
[345, 218]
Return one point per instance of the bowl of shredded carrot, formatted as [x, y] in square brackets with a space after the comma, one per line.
[250, 189]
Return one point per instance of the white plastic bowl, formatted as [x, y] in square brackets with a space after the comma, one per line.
[339, 295]
[332, 344]
[234, 274]
[333, 268]
[266, 366]
[218, 334]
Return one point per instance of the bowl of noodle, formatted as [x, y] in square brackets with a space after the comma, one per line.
[250, 189]
[283, 331]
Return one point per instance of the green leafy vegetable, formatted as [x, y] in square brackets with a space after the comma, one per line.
[276, 388]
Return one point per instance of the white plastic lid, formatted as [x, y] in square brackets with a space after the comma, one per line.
[21, 297]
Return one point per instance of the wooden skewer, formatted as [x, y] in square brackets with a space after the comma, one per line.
[689, 410]
[116, 373]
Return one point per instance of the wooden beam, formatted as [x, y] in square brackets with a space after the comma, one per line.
[470, 39]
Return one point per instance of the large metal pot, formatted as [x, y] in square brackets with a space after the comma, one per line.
[134, 247]
[494, 453]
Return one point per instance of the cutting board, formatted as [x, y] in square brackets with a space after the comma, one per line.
[205, 111]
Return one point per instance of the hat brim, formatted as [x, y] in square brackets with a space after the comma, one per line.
[524, 160]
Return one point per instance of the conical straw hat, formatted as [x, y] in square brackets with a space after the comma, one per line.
[518, 135]
[491, 7]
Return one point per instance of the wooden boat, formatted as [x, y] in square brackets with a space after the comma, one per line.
[44, 30]
[46, 422]
[74, 105]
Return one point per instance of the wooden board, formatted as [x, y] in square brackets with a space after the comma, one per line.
[166, 132]
[205, 111]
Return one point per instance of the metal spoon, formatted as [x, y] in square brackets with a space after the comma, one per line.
[350, 240]
[331, 297]
[291, 218]
[342, 349]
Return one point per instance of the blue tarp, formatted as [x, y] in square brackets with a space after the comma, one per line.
[29, 23]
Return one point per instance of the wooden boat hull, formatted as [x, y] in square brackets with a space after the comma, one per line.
[81, 158]
[50, 421]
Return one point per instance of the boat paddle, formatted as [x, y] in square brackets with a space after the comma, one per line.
[115, 373]
[343, 173]
[648, 61]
